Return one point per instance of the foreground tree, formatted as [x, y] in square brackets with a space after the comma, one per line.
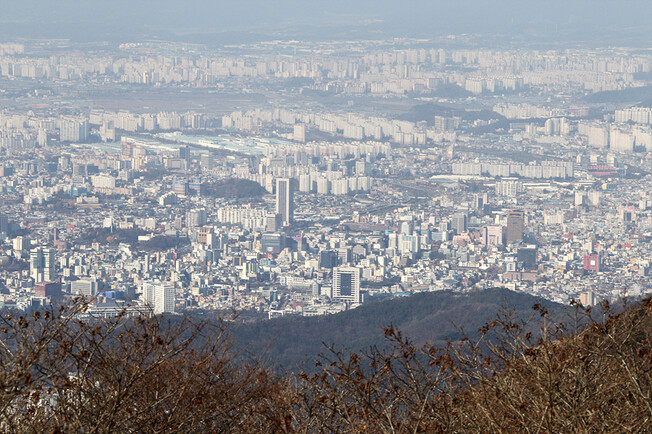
[127, 374]
[578, 375]
[61, 371]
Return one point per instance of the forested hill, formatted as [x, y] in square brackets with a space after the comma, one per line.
[433, 317]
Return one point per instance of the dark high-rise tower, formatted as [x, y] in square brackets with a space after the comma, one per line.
[285, 199]
[459, 223]
[4, 225]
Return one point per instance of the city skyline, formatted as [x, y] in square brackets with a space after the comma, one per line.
[425, 167]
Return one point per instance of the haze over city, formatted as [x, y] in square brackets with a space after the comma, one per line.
[271, 180]
[597, 22]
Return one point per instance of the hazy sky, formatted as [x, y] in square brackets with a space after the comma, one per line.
[326, 19]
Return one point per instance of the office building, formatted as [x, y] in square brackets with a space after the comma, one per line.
[459, 223]
[515, 226]
[4, 225]
[588, 298]
[184, 155]
[328, 259]
[180, 188]
[527, 257]
[205, 236]
[480, 200]
[41, 264]
[85, 287]
[272, 243]
[285, 199]
[344, 255]
[346, 284]
[274, 222]
[49, 290]
[493, 235]
[21, 244]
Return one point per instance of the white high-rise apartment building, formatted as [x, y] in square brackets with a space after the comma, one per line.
[73, 130]
[159, 297]
[196, 218]
[299, 133]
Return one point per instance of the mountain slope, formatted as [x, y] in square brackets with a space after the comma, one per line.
[432, 317]
[597, 378]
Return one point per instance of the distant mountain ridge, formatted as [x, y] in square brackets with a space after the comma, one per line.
[428, 111]
[635, 95]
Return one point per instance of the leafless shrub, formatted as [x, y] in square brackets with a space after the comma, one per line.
[143, 374]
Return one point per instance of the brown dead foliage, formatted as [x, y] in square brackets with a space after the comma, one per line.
[59, 373]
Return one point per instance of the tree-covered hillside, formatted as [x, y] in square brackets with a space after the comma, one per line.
[434, 317]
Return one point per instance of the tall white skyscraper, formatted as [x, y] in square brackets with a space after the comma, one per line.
[285, 199]
[346, 284]
[159, 297]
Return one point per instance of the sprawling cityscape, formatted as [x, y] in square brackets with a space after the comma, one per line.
[428, 216]
[307, 178]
